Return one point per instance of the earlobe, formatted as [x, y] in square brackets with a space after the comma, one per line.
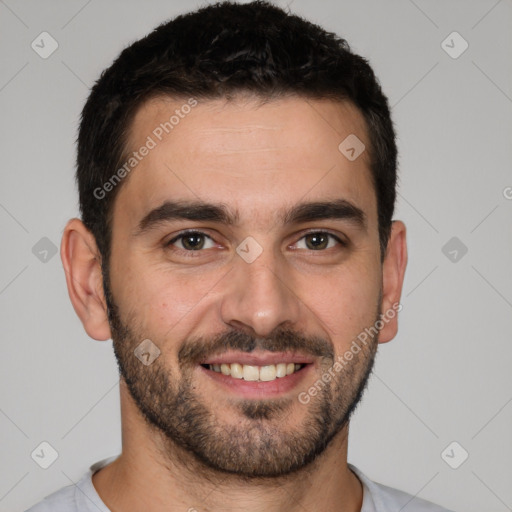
[393, 272]
[82, 266]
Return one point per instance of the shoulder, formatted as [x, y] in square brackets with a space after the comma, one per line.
[79, 497]
[61, 500]
[381, 498]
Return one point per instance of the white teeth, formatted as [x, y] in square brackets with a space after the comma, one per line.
[236, 371]
[281, 370]
[253, 373]
[268, 373]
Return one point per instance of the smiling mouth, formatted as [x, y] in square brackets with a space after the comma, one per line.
[254, 373]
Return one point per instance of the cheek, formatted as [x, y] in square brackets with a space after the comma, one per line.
[164, 301]
[346, 302]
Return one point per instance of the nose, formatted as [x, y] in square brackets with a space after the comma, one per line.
[259, 296]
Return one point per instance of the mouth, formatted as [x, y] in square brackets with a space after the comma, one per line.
[258, 375]
[252, 373]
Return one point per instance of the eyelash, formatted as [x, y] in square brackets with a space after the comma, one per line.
[192, 254]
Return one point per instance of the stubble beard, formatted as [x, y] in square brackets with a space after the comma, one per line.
[259, 444]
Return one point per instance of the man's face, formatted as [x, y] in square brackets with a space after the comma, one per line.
[251, 310]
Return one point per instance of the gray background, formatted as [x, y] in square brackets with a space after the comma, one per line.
[446, 377]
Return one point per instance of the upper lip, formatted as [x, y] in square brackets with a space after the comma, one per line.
[259, 359]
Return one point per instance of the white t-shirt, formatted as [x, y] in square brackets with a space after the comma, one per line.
[83, 497]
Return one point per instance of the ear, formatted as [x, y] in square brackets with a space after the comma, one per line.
[82, 264]
[393, 271]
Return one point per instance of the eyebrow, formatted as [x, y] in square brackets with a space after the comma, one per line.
[339, 209]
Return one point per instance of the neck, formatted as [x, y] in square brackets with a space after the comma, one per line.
[178, 482]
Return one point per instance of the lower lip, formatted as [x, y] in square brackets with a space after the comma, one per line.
[259, 389]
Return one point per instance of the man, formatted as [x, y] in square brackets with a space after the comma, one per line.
[237, 172]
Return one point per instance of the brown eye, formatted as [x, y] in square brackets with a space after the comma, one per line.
[191, 241]
[318, 241]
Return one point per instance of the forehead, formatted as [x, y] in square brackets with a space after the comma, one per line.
[246, 153]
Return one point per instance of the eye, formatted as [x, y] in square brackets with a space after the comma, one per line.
[192, 241]
[318, 241]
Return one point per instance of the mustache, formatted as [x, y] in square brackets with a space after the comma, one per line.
[195, 351]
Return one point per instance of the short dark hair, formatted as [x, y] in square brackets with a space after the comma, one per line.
[219, 51]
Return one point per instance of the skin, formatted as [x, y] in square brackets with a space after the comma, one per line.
[256, 159]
